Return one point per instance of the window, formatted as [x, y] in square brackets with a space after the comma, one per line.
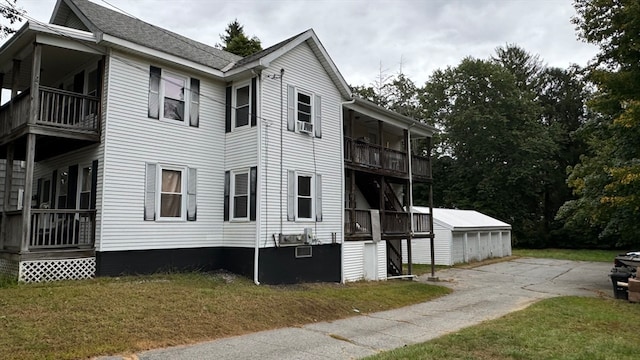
[63, 188]
[173, 87]
[240, 196]
[173, 97]
[304, 107]
[242, 107]
[304, 112]
[171, 193]
[304, 197]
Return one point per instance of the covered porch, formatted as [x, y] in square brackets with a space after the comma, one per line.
[51, 81]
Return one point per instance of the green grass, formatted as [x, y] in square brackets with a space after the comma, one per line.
[80, 319]
[569, 254]
[558, 328]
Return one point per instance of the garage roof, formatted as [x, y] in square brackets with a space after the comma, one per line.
[461, 220]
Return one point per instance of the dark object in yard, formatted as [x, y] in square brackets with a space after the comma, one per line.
[625, 267]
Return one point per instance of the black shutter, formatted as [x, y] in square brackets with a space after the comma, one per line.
[154, 92]
[39, 193]
[94, 184]
[54, 188]
[227, 179]
[194, 106]
[72, 190]
[227, 110]
[254, 101]
[78, 83]
[253, 176]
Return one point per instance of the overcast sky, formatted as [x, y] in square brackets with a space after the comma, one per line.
[359, 35]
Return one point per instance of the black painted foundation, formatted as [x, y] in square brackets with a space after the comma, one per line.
[277, 265]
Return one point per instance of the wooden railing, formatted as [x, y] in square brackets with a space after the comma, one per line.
[357, 222]
[373, 156]
[57, 108]
[53, 229]
[421, 223]
[395, 222]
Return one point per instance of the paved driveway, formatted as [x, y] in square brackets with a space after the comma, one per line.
[481, 293]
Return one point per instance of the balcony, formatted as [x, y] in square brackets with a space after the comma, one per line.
[51, 230]
[378, 159]
[393, 224]
[59, 112]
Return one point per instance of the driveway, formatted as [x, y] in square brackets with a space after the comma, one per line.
[481, 293]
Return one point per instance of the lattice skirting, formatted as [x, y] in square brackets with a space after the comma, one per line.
[9, 268]
[53, 270]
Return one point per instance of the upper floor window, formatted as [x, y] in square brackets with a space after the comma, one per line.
[304, 113]
[242, 105]
[173, 97]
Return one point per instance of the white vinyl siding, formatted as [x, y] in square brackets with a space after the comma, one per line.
[133, 139]
[304, 154]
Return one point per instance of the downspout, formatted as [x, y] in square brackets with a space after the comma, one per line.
[281, 149]
[256, 253]
[342, 177]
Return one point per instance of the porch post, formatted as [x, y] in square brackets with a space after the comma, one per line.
[431, 234]
[409, 198]
[28, 193]
[8, 179]
[1, 85]
[35, 84]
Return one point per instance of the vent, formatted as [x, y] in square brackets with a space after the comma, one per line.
[303, 251]
[305, 127]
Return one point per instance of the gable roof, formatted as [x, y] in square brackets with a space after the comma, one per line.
[458, 220]
[262, 59]
[85, 15]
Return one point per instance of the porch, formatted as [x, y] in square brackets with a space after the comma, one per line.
[392, 224]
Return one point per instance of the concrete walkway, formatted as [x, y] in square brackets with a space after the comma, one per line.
[480, 294]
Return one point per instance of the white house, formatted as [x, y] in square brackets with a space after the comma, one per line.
[461, 236]
[144, 151]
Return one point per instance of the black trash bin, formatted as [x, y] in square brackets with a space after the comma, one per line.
[619, 292]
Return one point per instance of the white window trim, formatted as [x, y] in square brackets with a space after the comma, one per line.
[232, 195]
[234, 102]
[313, 195]
[183, 191]
[187, 92]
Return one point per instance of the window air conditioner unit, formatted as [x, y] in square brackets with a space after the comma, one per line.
[305, 127]
[293, 239]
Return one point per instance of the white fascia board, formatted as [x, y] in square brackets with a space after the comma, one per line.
[66, 43]
[481, 229]
[326, 60]
[106, 38]
[62, 31]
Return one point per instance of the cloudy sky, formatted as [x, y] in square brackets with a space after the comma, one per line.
[365, 36]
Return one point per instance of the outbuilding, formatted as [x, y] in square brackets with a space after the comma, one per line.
[461, 236]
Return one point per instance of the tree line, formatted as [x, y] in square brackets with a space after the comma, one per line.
[554, 152]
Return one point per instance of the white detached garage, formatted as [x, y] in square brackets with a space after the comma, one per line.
[461, 236]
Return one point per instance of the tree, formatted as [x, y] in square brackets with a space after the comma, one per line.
[607, 178]
[11, 13]
[235, 41]
[493, 148]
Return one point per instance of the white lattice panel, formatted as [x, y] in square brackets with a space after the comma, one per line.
[53, 270]
[8, 268]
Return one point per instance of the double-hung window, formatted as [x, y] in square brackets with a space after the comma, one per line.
[240, 192]
[304, 111]
[173, 97]
[85, 187]
[242, 105]
[171, 193]
[304, 197]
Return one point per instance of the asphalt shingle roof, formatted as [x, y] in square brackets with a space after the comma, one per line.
[139, 32]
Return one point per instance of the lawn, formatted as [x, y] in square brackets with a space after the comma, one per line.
[79, 319]
[569, 254]
[558, 328]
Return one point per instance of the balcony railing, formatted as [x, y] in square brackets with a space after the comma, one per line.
[57, 108]
[376, 157]
[358, 223]
[51, 229]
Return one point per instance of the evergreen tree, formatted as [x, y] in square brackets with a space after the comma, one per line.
[235, 41]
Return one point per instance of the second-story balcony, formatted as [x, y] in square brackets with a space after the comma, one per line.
[58, 112]
[376, 158]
